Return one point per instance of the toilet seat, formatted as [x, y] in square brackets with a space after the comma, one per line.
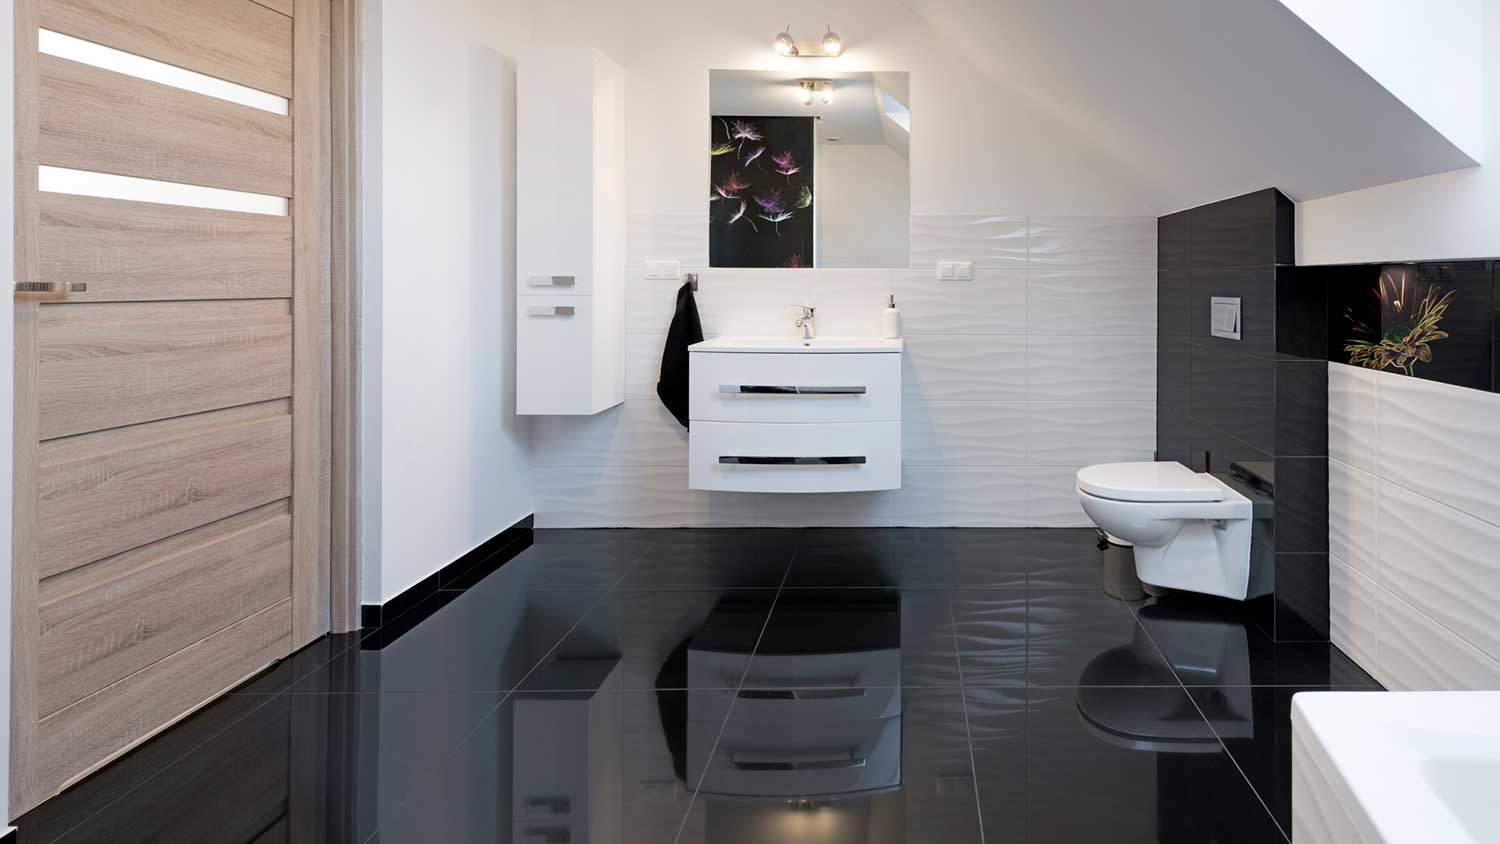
[1149, 482]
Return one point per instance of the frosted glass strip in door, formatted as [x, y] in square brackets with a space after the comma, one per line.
[119, 61]
[110, 186]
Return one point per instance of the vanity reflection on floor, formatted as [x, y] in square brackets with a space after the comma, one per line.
[738, 686]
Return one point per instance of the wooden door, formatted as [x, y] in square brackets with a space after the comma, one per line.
[171, 324]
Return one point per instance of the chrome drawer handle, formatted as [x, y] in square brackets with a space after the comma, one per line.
[800, 694]
[552, 281]
[809, 765]
[756, 460]
[555, 310]
[774, 390]
[552, 805]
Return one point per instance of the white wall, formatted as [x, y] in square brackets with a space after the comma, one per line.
[863, 200]
[1043, 363]
[1413, 524]
[1386, 37]
[449, 467]
[1447, 216]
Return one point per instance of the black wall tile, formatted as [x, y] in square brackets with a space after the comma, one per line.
[1286, 228]
[1174, 242]
[1234, 393]
[1172, 434]
[1174, 357]
[1495, 327]
[1301, 602]
[1302, 408]
[1211, 449]
[1301, 504]
[1174, 298]
[1237, 232]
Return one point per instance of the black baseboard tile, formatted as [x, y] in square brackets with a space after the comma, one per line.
[456, 576]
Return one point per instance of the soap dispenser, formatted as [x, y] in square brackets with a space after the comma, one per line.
[890, 320]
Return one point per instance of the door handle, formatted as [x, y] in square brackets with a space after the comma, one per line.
[53, 287]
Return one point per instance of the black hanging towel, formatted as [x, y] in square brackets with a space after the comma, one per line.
[672, 388]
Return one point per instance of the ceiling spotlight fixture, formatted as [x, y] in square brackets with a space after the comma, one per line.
[808, 88]
[832, 44]
[784, 43]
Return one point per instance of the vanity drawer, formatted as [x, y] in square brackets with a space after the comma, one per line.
[796, 760]
[750, 457]
[794, 387]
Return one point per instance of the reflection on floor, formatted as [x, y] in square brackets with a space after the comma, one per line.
[725, 686]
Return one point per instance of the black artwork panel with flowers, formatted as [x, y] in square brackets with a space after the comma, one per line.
[1427, 320]
[760, 195]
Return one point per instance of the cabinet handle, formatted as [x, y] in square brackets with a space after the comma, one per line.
[756, 460]
[807, 765]
[550, 310]
[800, 694]
[773, 390]
[552, 281]
[552, 805]
[547, 835]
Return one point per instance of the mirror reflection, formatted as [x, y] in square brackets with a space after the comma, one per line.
[808, 171]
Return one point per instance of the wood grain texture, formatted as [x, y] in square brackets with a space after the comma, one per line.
[282, 6]
[311, 209]
[108, 365]
[103, 622]
[231, 39]
[139, 251]
[104, 493]
[95, 119]
[27, 788]
[345, 340]
[80, 738]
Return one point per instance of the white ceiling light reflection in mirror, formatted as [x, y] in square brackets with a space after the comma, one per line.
[87, 52]
[109, 186]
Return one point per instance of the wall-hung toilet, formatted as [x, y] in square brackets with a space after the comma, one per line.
[1190, 530]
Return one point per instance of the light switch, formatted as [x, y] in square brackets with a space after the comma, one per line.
[955, 270]
[663, 269]
[1224, 317]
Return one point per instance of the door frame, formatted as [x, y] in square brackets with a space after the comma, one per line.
[336, 464]
[347, 298]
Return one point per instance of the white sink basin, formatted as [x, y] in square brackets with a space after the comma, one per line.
[1402, 766]
[825, 345]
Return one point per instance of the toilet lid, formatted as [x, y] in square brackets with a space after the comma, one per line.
[1148, 482]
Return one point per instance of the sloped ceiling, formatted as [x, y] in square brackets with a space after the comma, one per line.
[1204, 98]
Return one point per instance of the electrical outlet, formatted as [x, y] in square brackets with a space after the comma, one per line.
[663, 269]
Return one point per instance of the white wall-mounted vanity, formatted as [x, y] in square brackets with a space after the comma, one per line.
[785, 414]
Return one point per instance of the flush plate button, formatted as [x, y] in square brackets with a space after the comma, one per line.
[1224, 317]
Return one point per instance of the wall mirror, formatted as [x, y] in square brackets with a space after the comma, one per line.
[808, 170]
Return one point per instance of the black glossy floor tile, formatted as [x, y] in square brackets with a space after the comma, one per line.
[698, 686]
[1107, 764]
[1064, 637]
[1211, 642]
[721, 558]
[1255, 725]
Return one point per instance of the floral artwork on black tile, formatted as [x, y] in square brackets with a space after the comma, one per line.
[760, 203]
[1427, 321]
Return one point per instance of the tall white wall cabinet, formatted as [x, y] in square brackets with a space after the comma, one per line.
[570, 232]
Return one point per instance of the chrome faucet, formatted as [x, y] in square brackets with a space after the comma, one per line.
[805, 322]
